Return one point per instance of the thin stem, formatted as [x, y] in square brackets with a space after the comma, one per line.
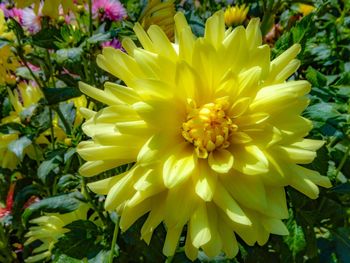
[64, 121]
[36, 154]
[90, 18]
[342, 162]
[51, 129]
[169, 259]
[114, 241]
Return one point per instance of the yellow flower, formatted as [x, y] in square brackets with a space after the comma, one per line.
[8, 61]
[21, 98]
[50, 8]
[305, 9]
[235, 15]
[49, 228]
[7, 158]
[214, 131]
[161, 14]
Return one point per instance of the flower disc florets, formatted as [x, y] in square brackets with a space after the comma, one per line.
[209, 123]
[208, 127]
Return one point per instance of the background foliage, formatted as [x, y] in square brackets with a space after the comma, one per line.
[64, 54]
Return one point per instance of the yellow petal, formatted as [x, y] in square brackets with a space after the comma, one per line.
[98, 94]
[199, 228]
[205, 181]
[178, 166]
[92, 168]
[220, 161]
[225, 201]
[253, 34]
[102, 187]
[131, 214]
[274, 226]
[171, 241]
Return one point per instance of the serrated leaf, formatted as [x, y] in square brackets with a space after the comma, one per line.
[46, 37]
[56, 204]
[321, 112]
[296, 239]
[81, 241]
[47, 166]
[316, 78]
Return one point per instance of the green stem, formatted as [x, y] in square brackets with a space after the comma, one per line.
[114, 241]
[51, 129]
[86, 193]
[4, 244]
[90, 18]
[169, 259]
[36, 154]
[342, 162]
[64, 121]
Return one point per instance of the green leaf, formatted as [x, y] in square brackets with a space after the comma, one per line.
[67, 182]
[46, 37]
[321, 112]
[56, 95]
[56, 204]
[342, 188]
[11, 127]
[98, 38]
[69, 55]
[18, 146]
[81, 241]
[62, 258]
[15, 26]
[68, 80]
[41, 120]
[296, 239]
[316, 78]
[342, 241]
[47, 166]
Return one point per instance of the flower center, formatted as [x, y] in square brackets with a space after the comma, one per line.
[208, 127]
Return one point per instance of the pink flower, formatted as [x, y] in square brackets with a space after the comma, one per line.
[12, 12]
[31, 21]
[111, 10]
[115, 43]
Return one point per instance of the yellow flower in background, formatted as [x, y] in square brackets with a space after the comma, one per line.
[50, 7]
[235, 15]
[21, 98]
[161, 14]
[8, 61]
[8, 159]
[305, 9]
[49, 228]
[214, 132]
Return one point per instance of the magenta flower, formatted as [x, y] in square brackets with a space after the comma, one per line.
[111, 10]
[115, 43]
[12, 12]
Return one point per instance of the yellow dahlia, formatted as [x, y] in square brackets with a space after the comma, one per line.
[161, 14]
[235, 15]
[306, 9]
[49, 228]
[214, 131]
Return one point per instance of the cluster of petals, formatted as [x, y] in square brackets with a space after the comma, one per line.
[214, 130]
[49, 228]
[111, 10]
